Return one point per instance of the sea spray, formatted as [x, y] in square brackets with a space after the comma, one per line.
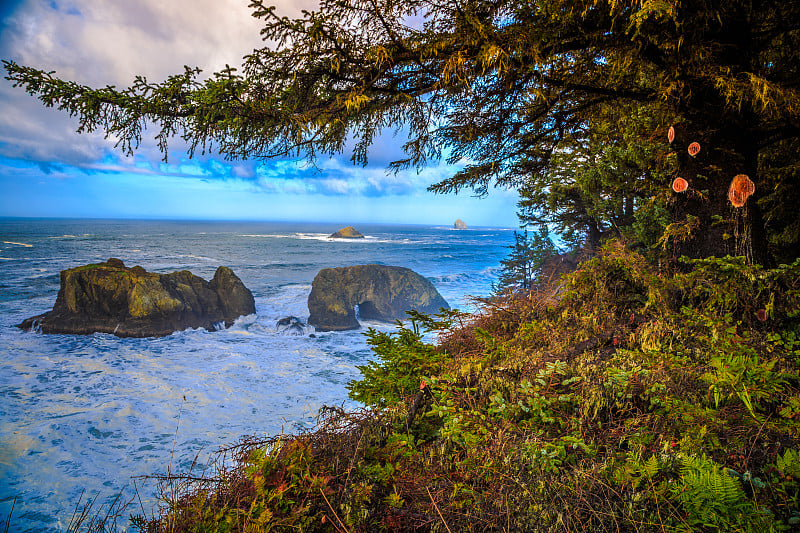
[95, 412]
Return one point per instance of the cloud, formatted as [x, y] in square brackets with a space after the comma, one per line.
[334, 177]
[109, 43]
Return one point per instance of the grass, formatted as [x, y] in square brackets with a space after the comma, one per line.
[619, 398]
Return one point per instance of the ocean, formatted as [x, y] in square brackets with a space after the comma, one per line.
[87, 417]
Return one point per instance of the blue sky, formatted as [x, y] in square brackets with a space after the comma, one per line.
[46, 169]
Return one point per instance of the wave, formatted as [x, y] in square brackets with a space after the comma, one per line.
[491, 271]
[81, 236]
[18, 244]
[325, 237]
[268, 235]
[451, 278]
[201, 257]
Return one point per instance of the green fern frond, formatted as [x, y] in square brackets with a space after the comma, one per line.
[709, 494]
[789, 464]
[651, 467]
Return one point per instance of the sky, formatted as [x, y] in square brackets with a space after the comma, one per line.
[48, 170]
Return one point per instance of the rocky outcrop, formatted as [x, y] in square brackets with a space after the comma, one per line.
[381, 292]
[131, 302]
[291, 325]
[460, 224]
[347, 233]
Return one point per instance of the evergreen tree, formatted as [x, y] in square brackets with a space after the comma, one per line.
[505, 85]
[594, 187]
[522, 269]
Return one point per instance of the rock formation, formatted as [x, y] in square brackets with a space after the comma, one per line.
[347, 233]
[291, 325]
[460, 224]
[131, 302]
[381, 292]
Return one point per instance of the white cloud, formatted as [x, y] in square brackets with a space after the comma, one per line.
[110, 41]
[100, 42]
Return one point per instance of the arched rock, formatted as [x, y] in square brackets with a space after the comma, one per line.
[381, 293]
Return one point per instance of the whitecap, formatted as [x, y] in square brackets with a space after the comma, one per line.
[267, 235]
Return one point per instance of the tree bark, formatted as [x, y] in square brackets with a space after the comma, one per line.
[705, 222]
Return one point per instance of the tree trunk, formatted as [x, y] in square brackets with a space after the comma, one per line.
[593, 235]
[705, 222]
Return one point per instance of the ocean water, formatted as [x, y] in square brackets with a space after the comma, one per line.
[85, 417]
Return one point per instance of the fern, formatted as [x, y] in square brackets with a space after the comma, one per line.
[712, 497]
[651, 467]
[789, 464]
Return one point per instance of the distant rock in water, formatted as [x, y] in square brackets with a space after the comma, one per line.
[347, 233]
[460, 224]
[131, 302]
[291, 325]
[381, 292]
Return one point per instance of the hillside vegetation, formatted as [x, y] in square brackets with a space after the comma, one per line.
[618, 398]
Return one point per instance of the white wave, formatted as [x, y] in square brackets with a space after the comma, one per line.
[451, 278]
[81, 236]
[491, 270]
[290, 300]
[318, 237]
[201, 257]
[268, 235]
[325, 237]
[244, 321]
[18, 244]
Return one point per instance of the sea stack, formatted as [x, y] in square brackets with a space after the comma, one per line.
[131, 302]
[459, 224]
[382, 293]
[347, 233]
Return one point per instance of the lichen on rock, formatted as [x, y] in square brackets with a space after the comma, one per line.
[131, 302]
[382, 293]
